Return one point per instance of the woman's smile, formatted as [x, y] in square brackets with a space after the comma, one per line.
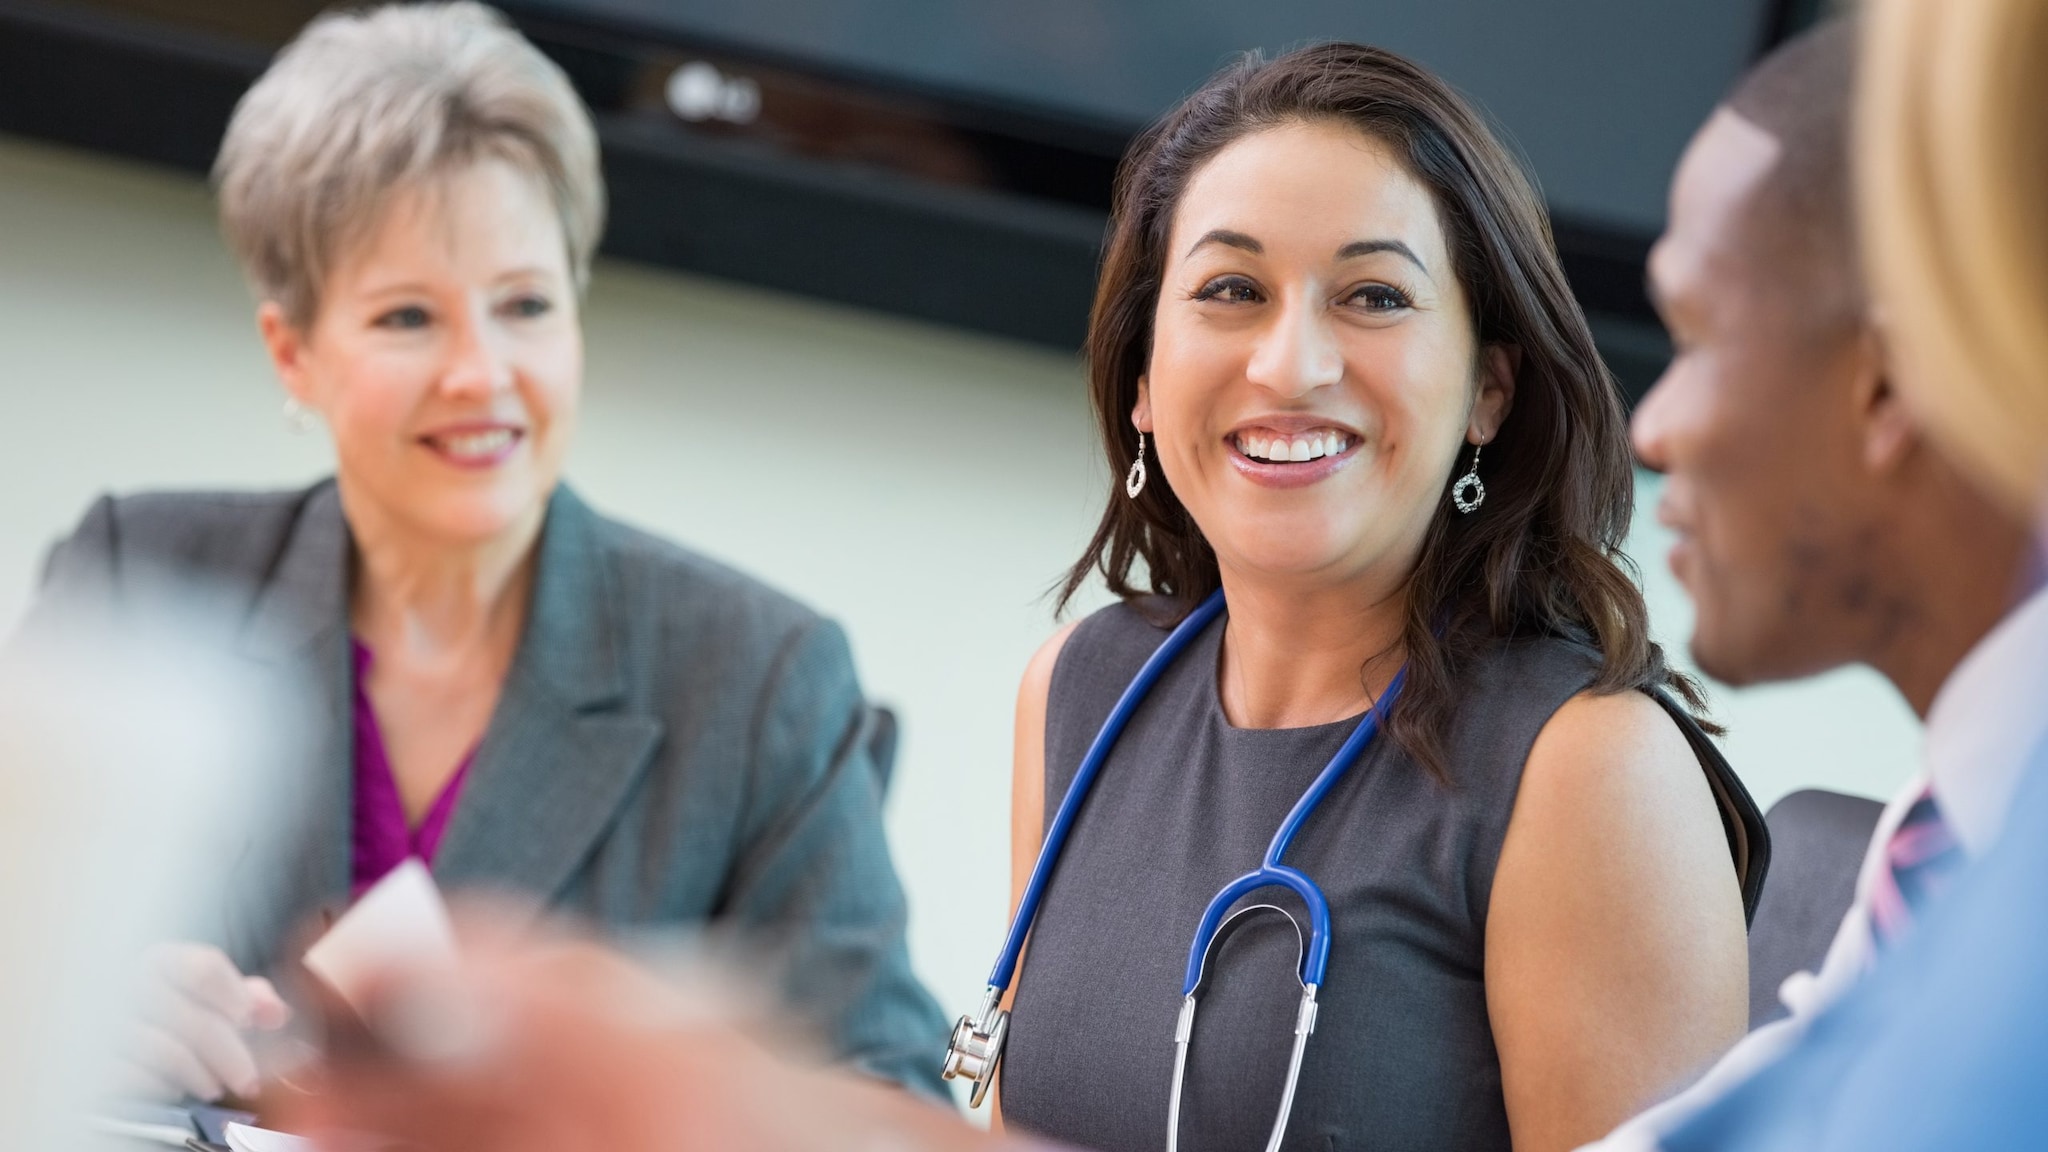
[476, 444]
[1277, 456]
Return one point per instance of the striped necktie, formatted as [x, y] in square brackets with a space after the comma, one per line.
[1921, 859]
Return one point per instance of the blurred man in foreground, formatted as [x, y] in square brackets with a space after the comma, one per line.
[1946, 1046]
[1816, 527]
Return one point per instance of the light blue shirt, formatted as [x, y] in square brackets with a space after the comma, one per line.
[1945, 1046]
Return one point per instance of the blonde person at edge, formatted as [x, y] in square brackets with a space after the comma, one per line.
[599, 720]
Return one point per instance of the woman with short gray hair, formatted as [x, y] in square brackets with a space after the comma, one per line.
[538, 698]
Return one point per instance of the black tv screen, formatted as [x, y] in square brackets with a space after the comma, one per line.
[1599, 94]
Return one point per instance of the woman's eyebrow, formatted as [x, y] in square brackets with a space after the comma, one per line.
[524, 272]
[380, 289]
[1226, 236]
[1359, 248]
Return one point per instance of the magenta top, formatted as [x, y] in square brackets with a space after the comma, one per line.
[382, 838]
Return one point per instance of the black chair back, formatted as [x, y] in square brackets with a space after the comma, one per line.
[1818, 841]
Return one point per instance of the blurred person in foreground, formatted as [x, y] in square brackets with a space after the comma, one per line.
[124, 749]
[527, 695]
[1945, 1046]
[1816, 525]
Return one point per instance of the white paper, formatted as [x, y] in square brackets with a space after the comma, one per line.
[243, 1138]
[169, 1136]
[400, 923]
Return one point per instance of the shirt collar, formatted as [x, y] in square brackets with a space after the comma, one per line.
[1985, 721]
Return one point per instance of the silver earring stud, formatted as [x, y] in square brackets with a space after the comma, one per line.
[1134, 480]
[297, 416]
[1469, 492]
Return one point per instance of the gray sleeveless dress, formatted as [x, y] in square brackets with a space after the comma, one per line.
[1402, 1057]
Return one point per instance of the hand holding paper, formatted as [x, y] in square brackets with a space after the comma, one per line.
[399, 924]
[609, 1058]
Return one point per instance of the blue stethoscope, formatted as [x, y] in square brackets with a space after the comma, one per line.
[977, 1044]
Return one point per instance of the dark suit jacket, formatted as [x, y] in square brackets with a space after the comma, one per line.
[674, 744]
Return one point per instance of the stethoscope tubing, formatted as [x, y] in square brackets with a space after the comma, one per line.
[1084, 779]
[976, 1047]
[1315, 960]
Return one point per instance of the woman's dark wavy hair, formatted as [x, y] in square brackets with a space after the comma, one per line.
[1542, 557]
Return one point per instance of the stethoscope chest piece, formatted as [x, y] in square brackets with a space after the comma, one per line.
[977, 1047]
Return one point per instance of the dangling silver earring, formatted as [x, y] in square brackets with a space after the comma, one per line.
[1469, 483]
[297, 416]
[1134, 480]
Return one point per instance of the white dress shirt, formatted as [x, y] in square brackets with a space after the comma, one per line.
[1984, 721]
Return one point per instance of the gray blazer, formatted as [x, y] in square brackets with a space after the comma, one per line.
[675, 744]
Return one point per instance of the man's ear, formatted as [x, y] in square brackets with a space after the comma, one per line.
[286, 344]
[1890, 434]
[1499, 364]
[1141, 412]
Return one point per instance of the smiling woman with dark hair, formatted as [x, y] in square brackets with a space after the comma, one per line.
[1362, 441]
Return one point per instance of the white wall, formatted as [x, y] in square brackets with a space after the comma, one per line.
[921, 485]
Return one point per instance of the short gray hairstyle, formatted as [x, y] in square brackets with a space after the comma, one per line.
[364, 103]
